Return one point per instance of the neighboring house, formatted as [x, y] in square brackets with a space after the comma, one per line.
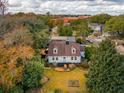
[106, 34]
[97, 27]
[68, 20]
[95, 39]
[64, 52]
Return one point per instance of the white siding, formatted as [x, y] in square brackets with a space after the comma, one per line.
[68, 59]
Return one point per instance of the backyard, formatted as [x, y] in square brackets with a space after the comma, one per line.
[60, 80]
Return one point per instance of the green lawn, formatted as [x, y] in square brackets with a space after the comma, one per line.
[59, 80]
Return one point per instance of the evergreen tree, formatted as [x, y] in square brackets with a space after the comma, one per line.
[106, 74]
[33, 73]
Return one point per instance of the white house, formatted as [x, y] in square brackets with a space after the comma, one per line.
[63, 51]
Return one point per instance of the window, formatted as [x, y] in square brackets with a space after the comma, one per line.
[71, 58]
[56, 58]
[53, 58]
[73, 51]
[75, 58]
[63, 57]
[55, 51]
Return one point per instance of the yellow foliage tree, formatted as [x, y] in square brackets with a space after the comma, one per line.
[10, 72]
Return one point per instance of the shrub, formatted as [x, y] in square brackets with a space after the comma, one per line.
[16, 89]
[79, 40]
[85, 64]
[58, 91]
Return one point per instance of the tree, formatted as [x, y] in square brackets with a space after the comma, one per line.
[65, 30]
[11, 67]
[21, 35]
[89, 51]
[33, 73]
[18, 33]
[10, 74]
[84, 30]
[81, 27]
[79, 40]
[115, 25]
[106, 74]
[3, 6]
[16, 89]
[100, 18]
[41, 39]
[6, 24]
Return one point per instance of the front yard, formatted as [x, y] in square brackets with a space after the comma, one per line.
[59, 80]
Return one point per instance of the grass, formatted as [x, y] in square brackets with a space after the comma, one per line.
[59, 80]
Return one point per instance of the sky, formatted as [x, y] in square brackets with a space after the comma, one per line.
[92, 7]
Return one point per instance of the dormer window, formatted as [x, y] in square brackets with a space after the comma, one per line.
[73, 50]
[55, 51]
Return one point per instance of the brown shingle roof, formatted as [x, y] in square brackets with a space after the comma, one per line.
[63, 48]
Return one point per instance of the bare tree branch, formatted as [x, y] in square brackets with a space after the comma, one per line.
[3, 6]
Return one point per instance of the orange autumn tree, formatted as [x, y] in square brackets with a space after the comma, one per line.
[11, 72]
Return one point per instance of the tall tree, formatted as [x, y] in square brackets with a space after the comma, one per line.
[20, 35]
[115, 25]
[100, 18]
[41, 39]
[65, 30]
[84, 30]
[33, 73]
[81, 27]
[106, 74]
[3, 6]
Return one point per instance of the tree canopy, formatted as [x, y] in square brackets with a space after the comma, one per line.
[20, 35]
[115, 25]
[106, 70]
[33, 73]
[100, 18]
[41, 39]
[65, 30]
[81, 27]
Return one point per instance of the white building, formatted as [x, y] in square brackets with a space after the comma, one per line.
[65, 52]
